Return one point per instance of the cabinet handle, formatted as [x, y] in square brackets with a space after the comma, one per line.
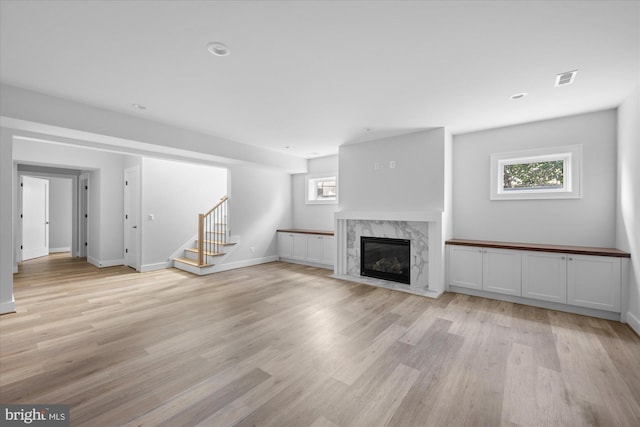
[563, 258]
[570, 259]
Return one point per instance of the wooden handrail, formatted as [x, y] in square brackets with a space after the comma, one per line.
[211, 223]
[222, 200]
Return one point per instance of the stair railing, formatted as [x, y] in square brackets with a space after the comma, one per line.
[212, 230]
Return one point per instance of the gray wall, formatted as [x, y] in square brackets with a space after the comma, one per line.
[175, 193]
[417, 183]
[589, 221]
[314, 216]
[60, 214]
[628, 230]
[259, 204]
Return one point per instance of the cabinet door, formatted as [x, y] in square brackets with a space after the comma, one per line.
[594, 281]
[327, 250]
[299, 246]
[465, 266]
[544, 276]
[501, 271]
[314, 248]
[285, 245]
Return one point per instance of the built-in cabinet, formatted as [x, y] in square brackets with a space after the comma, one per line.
[590, 281]
[306, 248]
[492, 270]
[544, 276]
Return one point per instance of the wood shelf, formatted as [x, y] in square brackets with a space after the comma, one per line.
[578, 250]
[304, 231]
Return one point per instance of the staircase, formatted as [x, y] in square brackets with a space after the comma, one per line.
[210, 243]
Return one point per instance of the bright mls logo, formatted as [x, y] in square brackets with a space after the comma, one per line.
[36, 415]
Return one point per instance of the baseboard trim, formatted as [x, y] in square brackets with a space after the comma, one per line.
[152, 267]
[633, 322]
[245, 263]
[585, 311]
[58, 250]
[388, 285]
[224, 267]
[105, 263]
[309, 263]
[8, 307]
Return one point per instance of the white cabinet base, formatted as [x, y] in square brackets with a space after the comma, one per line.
[585, 311]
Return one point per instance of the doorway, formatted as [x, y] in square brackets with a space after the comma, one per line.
[132, 217]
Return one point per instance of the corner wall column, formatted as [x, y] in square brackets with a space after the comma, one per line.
[7, 303]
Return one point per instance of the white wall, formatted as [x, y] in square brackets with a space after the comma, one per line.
[314, 216]
[259, 204]
[36, 112]
[417, 183]
[589, 221]
[175, 193]
[60, 214]
[628, 226]
[105, 192]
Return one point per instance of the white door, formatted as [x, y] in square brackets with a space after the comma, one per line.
[594, 282]
[544, 276]
[502, 271]
[132, 217]
[35, 217]
[465, 266]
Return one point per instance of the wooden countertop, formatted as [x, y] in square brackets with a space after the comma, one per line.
[578, 250]
[304, 231]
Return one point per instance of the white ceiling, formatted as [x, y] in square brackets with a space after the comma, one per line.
[312, 75]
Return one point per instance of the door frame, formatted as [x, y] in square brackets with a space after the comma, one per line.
[83, 215]
[132, 220]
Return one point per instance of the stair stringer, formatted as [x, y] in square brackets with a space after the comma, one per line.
[217, 261]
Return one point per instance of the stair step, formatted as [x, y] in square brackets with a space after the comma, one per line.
[191, 262]
[195, 251]
[216, 232]
[214, 242]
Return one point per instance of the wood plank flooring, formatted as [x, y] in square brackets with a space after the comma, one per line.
[286, 345]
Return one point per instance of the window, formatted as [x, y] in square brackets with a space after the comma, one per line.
[549, 173]
[322, 189]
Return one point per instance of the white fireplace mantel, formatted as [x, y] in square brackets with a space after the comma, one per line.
[434, 219]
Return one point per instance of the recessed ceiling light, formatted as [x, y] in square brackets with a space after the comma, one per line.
[218, 49]
[139, 106]
[519, 95]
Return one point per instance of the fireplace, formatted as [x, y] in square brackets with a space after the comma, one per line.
[384, 258]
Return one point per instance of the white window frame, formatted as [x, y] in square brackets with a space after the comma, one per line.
[309, 195]
[571, 155]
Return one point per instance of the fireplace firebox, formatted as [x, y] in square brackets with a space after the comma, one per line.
[383, 258]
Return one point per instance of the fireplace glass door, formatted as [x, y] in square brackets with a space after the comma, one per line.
[388, 259]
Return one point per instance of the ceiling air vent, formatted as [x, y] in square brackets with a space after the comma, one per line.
[567, 78]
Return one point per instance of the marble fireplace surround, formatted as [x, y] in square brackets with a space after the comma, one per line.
[424, 229]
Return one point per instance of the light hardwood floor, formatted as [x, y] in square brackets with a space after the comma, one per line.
[286, 345]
